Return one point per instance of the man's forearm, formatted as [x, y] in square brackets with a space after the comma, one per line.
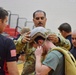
[12, 68]
[38, 65]
[40, 68]
[19, 45]
[64, 43]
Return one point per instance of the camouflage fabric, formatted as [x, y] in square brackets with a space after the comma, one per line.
[19, 44]
[29, 65]
[64, 43]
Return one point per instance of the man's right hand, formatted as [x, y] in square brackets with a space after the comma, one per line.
[26, 38]
[39, 51]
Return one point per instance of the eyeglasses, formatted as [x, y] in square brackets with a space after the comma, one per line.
[37, 18]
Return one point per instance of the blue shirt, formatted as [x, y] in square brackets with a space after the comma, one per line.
[70, 39]
[73, 51]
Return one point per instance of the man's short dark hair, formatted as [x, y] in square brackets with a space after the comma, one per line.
[38, 11]
[39, 38]
[3, 13]
[66, 27]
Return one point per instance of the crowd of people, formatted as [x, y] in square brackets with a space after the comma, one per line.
[35, 45]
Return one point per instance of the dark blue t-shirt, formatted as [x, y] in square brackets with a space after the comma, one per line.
[70, 39]
[7, 53]
[73, 51]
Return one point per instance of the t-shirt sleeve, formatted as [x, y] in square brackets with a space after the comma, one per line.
[51, 60]
[10, 50]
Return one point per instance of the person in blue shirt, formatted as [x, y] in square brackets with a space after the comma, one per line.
[65, 30]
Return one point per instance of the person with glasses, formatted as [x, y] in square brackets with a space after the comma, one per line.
[39, 19]
[53, 63]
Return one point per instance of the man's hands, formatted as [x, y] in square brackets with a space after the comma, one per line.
[39, 51]
[54, 38]
[26, 38]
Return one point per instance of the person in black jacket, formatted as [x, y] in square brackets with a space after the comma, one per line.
[73, 50]
[65, 30]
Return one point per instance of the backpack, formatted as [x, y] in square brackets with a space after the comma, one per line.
[70, 62]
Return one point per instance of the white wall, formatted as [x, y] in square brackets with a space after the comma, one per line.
[58, 11]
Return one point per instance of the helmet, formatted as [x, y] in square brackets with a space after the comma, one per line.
[38, 31]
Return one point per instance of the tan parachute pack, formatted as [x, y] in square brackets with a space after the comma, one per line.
[70, 62]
